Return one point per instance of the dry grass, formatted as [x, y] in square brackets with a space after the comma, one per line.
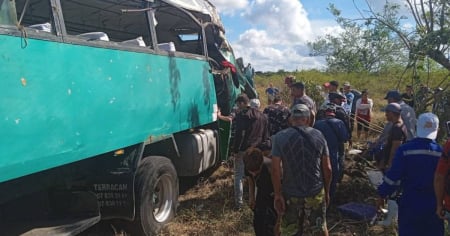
[207, 208]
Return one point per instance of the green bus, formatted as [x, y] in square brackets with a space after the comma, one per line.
[105, 104]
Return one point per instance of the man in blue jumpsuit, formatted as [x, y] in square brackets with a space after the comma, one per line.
[412, 171]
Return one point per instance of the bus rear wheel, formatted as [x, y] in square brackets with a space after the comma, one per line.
[156, 195]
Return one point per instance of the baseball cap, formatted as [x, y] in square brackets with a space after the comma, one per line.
[346, 84]
[326, 84]
[334, 95]
[300, 110]
[393, 107]
[330, 109]
[255, 103]
[395, 94]
[427, 125]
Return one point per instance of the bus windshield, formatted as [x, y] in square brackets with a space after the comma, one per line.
[8, 15]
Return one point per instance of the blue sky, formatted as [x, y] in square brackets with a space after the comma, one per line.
[272, 34]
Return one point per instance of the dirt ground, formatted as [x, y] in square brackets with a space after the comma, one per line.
[207, 208]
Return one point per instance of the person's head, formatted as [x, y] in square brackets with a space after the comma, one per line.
[255, 103]
[330, 109]
[277, 99]
[427, 126]
[300, 115]
[253, 160]
[347, 87]
[289, 80]
[408, 89]
[392, 112]
[364, 94]
[297, 89]
[242, 101]
[270, 85]
[393, 96]
[334, 86]
[336, 98]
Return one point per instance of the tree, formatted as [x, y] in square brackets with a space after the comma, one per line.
[362, 46]
[428, 39]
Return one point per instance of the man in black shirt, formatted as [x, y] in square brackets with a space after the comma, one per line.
[408, 96]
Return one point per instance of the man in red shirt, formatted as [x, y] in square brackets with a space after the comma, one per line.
[442, 183]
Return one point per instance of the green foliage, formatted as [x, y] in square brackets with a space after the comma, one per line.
[361, 46]
[376, 83]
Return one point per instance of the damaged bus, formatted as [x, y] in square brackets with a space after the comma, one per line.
[105, 104]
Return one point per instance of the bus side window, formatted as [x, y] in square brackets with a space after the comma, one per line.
[38, 15]
[94, 17]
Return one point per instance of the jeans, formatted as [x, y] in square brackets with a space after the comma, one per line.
[238, 178]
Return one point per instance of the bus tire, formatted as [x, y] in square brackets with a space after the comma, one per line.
[156, 195]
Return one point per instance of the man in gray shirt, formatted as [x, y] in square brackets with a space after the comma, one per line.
[303, 197]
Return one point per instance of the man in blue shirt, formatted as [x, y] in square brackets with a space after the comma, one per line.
[412, 171]
[335, 134]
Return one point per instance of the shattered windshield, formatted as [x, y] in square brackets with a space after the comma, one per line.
[8, 12]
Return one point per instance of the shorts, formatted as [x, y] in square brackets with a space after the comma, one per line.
[305, 216]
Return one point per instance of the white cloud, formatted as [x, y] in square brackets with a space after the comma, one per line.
[286, 20]
[266, 54]
[281, 29]
[229, 7]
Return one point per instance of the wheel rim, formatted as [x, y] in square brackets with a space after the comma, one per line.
[162, 198]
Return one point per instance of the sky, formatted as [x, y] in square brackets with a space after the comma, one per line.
[272, 35]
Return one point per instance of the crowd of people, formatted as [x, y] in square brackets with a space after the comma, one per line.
[293, 158]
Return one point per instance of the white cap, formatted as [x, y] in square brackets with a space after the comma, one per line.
[427, 126]
[255, 103]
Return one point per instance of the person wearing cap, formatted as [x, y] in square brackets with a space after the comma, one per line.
[408, 114]
[335, 134]
[337, 99]
[396, 136]
[412, 171]
[303, 196]
[299, 96]
[325, 90]
[255, 103]
[349, 96]
[250, 131]
[408, 96]
[334, 86]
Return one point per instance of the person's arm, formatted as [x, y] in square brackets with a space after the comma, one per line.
[395, 145]
[439, 191]
[327, 175]
[222, 117]
[312, 118]
[251, 192]
[392, 178]
[276, 182]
